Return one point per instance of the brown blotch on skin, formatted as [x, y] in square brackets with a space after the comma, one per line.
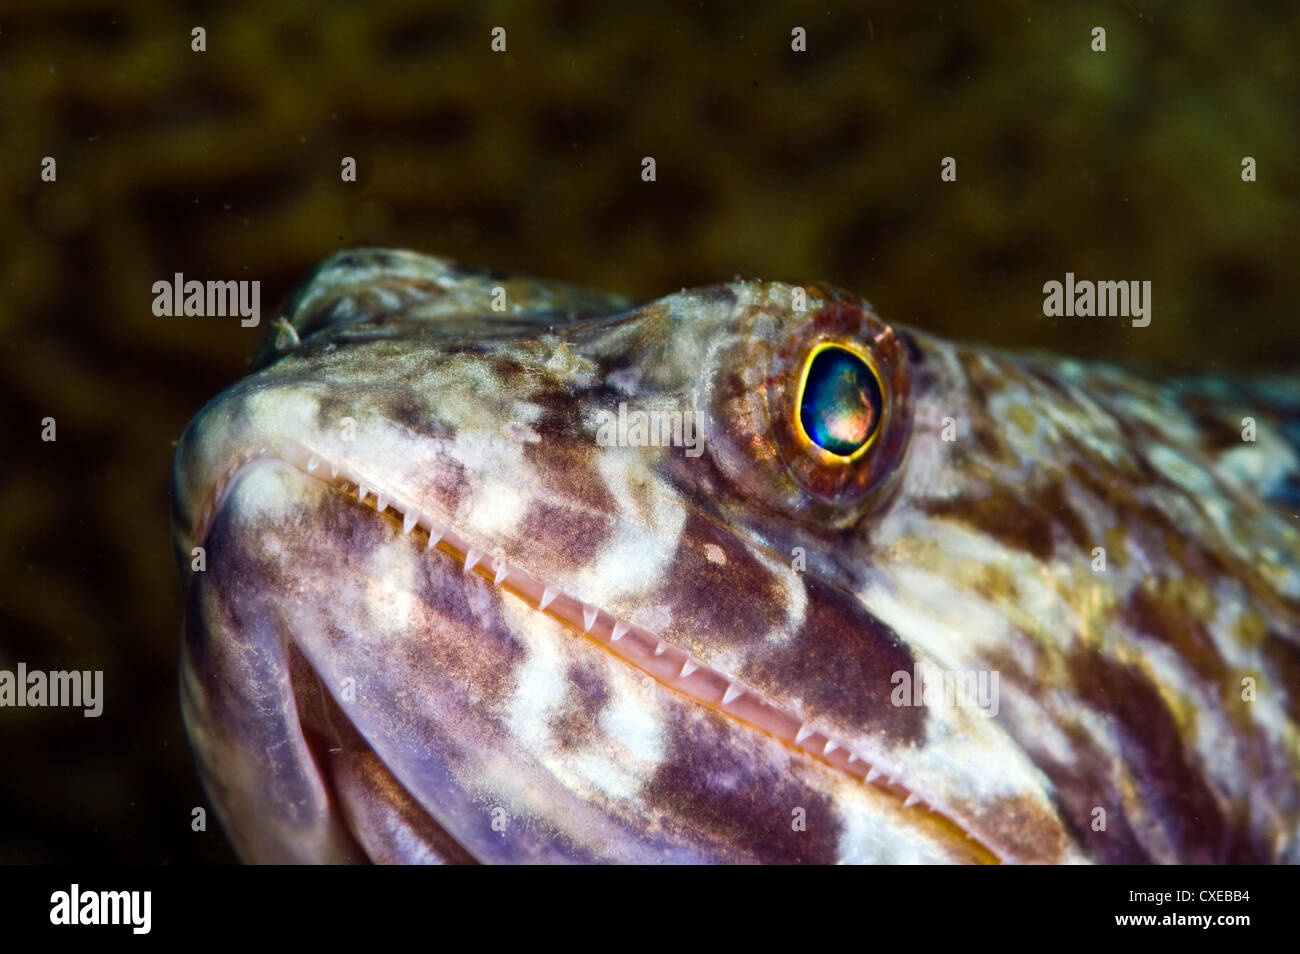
[915, 356]
[1219, 431]
[1284, 656]
[1081, 782]
[1015, 522]
[719, 603]
[1023, 418]
[577, 721]
[331, 408]
[987, 435]
[840, 664]
[487, 663]
[736, 801]
[1081, 785]
[983, 380]
[446, 481]
[346, 530]
[552, 534]
[1052, 499]
[413, 414]
[1161, 612]
[1117, 493]
[564, 460]
[1172, 791]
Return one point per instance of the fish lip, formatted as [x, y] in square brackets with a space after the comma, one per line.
[635, 646]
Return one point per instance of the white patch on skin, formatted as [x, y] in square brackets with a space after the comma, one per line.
[965, 754]
[1267, 463]
[540, 679]
[1179, 470]
[1164, 417]
[633, 746]
[713, 553]
[1047, 734]
[868, 838]
[498, 504]
[655, 619]
[946, 623]
[392, 581]
[625, 380]
[635, 553]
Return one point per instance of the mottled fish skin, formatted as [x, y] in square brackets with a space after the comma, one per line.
[352, 694]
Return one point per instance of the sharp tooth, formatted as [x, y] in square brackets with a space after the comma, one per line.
[830, 747]
[910, 801]
[853, 758]
[620, 629]
[732, 694]
[362, 490]
[334, 470]
[661, 649]
[409, 521]
[688, 667]
[312, 463]
[503, 569]
[472, 558]
[588, 617]
[381, 503]
[873, 774]
[548, 597]
[802, 734]
[434, 536]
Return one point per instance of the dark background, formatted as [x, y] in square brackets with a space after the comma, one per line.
[775, 164]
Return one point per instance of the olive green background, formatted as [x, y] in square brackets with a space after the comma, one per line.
[818, 165]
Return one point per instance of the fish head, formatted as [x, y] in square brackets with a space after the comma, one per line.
[490, 569]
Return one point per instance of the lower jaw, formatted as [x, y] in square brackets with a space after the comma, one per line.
[385, 821]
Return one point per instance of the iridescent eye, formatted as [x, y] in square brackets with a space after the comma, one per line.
[840, 404]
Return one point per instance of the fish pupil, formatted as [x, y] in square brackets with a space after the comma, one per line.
[842, 402]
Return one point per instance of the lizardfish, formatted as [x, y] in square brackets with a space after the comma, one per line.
[482, 568]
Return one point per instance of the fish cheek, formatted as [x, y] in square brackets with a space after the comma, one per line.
[721, 596]
[841, 663]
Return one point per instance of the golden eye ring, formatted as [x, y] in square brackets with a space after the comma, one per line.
[840, 405]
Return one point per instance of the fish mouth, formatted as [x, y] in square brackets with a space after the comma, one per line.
[355, 772]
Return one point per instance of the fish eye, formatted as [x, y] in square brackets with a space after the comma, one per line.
[840, 401]
[812, 411]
